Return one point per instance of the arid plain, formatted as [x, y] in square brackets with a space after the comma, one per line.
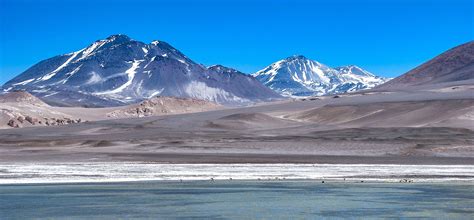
[424, 125]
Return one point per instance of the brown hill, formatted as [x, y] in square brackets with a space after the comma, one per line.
[456, 64]
[164, 105]
[21, 109]
[21, 97]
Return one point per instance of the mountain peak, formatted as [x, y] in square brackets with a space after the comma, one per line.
[352, 66]
[223, 69]
[217, 67]
[118, 37]
[355, 70]
[296, 57]
[348, 68]
[161, 44]
[158, 42]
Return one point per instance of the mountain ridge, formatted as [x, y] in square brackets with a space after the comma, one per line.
[118, 70]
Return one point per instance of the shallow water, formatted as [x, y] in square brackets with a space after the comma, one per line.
[236, 200]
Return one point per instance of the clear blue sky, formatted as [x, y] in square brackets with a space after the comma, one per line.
[387, 37]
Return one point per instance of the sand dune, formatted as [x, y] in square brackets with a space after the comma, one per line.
[248, 121]
[389, 114]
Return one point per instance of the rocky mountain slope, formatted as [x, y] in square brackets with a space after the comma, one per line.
[119, 71]
[456, 64]
[300, 76]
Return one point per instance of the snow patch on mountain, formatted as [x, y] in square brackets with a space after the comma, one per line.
[50, 75]
[94, 78]
[88, 51]
[130, 74]
[23, 82]
[155, 93]
[200, 90]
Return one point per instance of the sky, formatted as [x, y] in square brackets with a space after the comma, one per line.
[386, 37]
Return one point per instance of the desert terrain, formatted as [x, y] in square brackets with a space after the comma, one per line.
[425, 125]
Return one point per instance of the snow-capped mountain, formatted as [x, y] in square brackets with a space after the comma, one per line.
[119, 70]
[300, 76]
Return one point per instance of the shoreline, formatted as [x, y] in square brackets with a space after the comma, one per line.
[468, 182]
[99, 172]
[226, 158]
